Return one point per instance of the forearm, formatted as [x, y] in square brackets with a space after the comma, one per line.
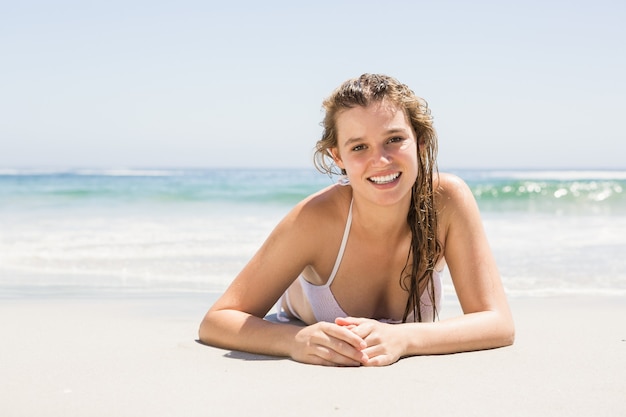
[231, 329]
[475, 331]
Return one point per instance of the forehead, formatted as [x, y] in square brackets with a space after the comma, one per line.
[377, 117]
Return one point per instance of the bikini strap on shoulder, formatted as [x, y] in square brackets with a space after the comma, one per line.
[342, 248]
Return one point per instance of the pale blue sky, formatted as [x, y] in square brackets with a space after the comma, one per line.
[528, 84]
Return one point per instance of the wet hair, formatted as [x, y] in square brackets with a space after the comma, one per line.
[417, 274]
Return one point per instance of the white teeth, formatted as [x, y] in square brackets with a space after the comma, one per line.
[385, 179]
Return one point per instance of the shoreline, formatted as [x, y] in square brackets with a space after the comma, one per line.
[139, 355]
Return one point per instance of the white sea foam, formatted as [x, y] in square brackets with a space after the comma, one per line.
[111, 172]
[125, 172]
[185, 249]
[571, 175]
[47, 242]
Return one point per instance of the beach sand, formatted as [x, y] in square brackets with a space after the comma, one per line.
[138, 356]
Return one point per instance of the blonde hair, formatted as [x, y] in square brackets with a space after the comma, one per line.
[417, 276]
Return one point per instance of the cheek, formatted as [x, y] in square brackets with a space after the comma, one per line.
[408, 146]
[411, 149]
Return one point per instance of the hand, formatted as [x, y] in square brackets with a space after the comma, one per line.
[385, 344]
[329, 344]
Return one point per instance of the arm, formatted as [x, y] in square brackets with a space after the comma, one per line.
[236, 321]
[486, 322]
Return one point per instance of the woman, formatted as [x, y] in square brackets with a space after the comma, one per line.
[359, 262]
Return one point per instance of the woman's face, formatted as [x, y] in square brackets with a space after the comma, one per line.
[376, 146]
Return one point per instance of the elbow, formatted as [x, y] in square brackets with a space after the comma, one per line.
[508, 338]
[507, 333]
[204, 331]
[501, 332]
[215, 329]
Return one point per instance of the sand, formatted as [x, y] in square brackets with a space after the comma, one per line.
[137, 356]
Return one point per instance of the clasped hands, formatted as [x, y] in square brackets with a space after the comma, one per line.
[349, 341]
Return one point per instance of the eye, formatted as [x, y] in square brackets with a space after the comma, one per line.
[395, 139]
[358, 147]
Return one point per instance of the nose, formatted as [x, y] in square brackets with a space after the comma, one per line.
[380, 156]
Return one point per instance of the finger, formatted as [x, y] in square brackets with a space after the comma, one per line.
[374, 351]
[380, 356]
[329, 357]
[343, 342]
[346, 335]
[348, 321]
[339, 349]
[318, 360]
[360, 327]
[379, 361]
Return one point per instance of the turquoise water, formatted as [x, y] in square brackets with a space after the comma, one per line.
[544, 191]
[552, 232]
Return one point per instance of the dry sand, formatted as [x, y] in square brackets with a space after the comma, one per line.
[125, 356]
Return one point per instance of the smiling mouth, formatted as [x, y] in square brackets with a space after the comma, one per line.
[385, 179]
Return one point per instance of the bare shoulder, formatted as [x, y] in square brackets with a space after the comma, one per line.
[454, 203]
[450, 191]
[319, 213]
[298, 240]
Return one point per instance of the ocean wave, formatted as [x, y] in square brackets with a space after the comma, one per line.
[552, 191]
[125, 172]
[104, 172]
[554, 175]
[556, 292]
[587, 194]
[202, 247]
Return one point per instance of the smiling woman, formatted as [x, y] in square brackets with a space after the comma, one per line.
[384, 153]
[359, 262]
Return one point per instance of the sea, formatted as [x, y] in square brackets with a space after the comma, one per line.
[97, 232]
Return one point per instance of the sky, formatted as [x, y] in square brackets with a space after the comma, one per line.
[206, 84]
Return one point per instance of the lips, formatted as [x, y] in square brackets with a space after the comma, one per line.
[384, 179]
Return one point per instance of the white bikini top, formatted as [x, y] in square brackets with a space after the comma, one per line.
[326, 308]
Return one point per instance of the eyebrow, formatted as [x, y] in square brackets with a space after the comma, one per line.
[351, 141]
[387, 132]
